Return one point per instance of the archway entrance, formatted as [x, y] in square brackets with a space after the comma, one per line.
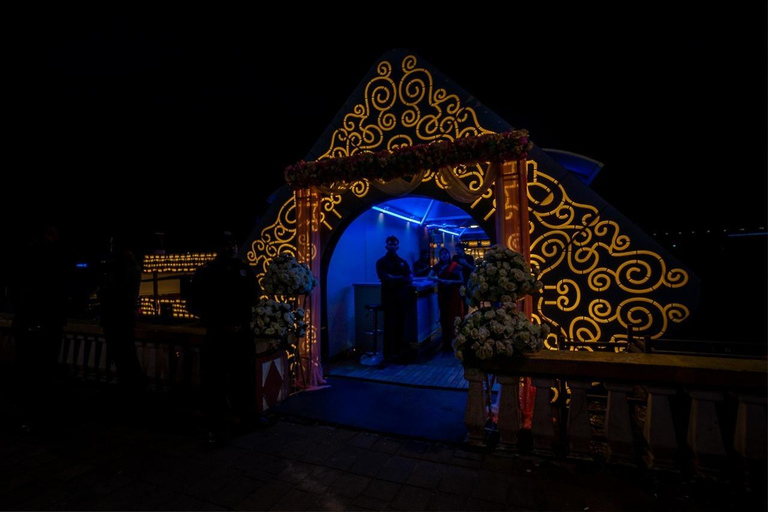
[310, 219]
[408, 129]
[423, 225]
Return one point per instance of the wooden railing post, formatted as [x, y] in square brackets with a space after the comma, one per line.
[68, 346]
[102, 365]
[475, 416]
[509, 412]
[659, 429]
[749, 439]
[91, 364]
[579, 429]
[80, 360]
[618, 427]
[704, 436]
[543, 425]
[648, 345]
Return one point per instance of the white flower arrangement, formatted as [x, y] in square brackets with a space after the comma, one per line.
[276, 320]
[503, 331]
[502, 275]
[281, 322]
[494, 326]
[286, 276]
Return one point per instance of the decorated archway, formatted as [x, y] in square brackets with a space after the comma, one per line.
[409, 130]
[317, 183]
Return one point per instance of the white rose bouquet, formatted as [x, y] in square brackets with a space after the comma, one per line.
[494, 325]
[286, 276]
[282, 322]
[502, 275]
[490, 331]
[276, 320]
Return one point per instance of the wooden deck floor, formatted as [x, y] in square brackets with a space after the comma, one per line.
[441, 371]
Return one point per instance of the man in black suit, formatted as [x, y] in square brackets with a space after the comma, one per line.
[395, 276]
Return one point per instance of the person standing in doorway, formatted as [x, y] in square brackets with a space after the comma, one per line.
[465, 261]
[466, 265]
[447, 273]
[395, 276]
[421, 266]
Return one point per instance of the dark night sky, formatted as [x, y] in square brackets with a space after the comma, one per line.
[673, 103]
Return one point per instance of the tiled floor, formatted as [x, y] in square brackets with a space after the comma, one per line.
[101, 457]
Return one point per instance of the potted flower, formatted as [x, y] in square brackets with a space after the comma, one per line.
[492, 331]
[287, 277]
[276, 325]
[495, 327]
[502, 275]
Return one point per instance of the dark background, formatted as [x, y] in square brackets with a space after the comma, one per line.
[182, 123]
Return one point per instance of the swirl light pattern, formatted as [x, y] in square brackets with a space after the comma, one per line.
[400, 107]
[276, 238]
[597, 282]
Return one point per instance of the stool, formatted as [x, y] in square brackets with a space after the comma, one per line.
[373, 358]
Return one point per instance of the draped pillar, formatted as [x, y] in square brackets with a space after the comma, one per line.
[513, 232]
[309, 248]
[509, 214]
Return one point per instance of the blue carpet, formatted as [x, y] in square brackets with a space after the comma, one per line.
[432, 414]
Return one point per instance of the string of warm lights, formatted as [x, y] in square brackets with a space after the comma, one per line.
[477, 243]
[187, 262]
[178, 307]
[474, 248]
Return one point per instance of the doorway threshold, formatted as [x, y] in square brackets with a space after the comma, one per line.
[440, 371]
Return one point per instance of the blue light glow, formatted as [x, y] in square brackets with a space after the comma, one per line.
[382, 210]
[448, 232]
[584, 168]
[81, 265]
[429, 207]
[757, 233]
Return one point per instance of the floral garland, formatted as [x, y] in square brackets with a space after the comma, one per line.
[406, 160]
[495, 326]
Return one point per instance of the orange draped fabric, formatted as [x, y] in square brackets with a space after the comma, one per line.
[512, 231]
[310, 375]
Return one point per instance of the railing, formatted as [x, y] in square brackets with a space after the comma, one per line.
[169, 355]
[668, 346]
[711, 430]
[723, 412]
[701, 348]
